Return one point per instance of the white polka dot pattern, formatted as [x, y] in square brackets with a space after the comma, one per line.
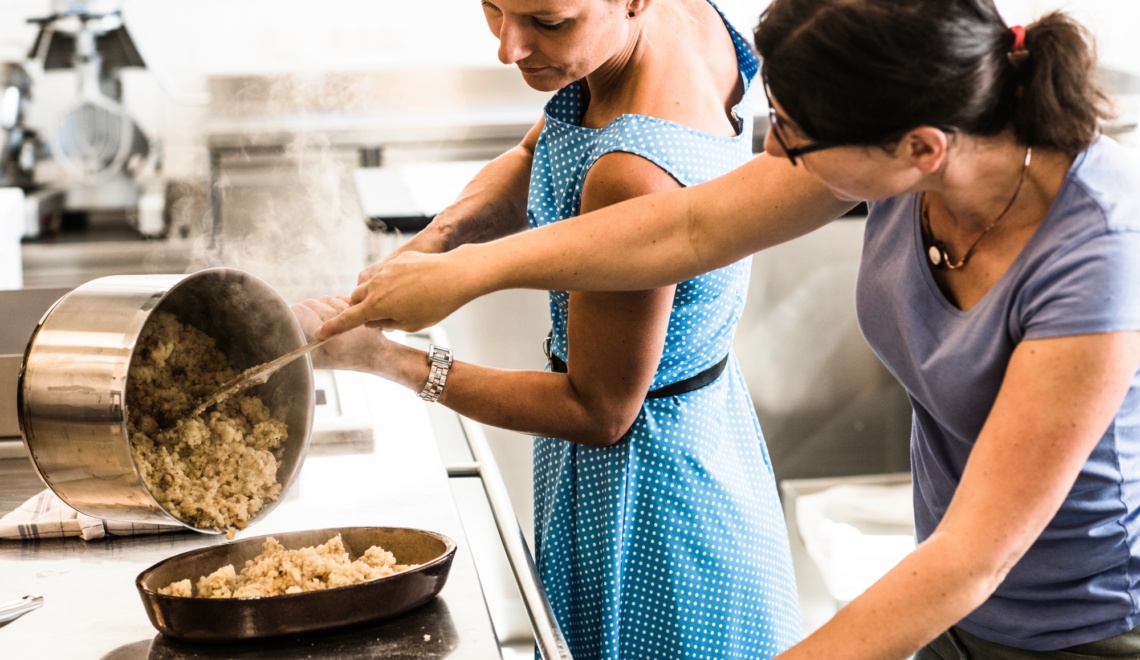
[671, 543]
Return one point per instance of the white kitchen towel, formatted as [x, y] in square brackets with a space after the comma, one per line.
[45, 516]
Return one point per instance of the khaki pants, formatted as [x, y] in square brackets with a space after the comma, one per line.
[957, 644]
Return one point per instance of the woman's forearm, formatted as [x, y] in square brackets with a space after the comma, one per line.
[930, 590]
[529, 402]
[657, 239]
[644, 243]
[1057, 397]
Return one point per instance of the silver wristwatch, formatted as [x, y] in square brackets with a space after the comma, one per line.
[440, 360]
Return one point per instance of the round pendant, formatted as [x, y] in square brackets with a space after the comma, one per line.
[935, 255]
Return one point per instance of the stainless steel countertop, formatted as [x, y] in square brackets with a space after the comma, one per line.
[92, 609]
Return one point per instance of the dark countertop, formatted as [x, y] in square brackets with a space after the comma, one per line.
[92, 609]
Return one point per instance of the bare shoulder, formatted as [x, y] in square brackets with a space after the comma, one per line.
[618, 176]
[694, 76]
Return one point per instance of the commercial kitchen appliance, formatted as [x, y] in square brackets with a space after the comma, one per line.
[93, 154]
[826, 404]
[11, 233]
[20, 148]
[23, 308]
[17, 141]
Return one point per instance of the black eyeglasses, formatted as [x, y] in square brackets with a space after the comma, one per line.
[774, 123]
[796, 152]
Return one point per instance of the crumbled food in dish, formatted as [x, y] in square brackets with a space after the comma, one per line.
[277, 571]
[180, 588]
[213, 471]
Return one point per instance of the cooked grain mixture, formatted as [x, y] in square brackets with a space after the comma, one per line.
[277, 571]
[214, 471]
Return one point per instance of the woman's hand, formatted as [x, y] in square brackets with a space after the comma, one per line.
[362, 349]
[408, 292]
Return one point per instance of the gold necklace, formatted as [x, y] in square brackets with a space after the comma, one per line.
[936, 250]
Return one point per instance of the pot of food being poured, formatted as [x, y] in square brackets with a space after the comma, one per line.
[112, 373]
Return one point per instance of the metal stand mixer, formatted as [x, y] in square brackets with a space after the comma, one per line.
[17, 142]
[97, 156]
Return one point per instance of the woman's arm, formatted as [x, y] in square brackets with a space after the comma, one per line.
[491, 205]
[615, 340]
[640, 244]
[1057, 399]
[529, 402]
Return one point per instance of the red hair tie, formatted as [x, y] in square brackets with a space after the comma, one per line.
[1018, 39]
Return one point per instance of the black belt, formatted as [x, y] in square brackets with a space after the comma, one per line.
[696, 382]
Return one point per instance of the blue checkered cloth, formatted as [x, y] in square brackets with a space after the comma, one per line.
[45, 516]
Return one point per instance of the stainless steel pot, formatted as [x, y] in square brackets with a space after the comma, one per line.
[72, 391]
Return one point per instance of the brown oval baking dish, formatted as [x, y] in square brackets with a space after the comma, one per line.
[234, 619]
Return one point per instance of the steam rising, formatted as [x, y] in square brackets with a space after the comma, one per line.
[287, 206]
[290, 216]
[302, 230]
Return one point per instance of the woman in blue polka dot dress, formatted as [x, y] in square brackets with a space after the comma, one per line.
[658, 530]
[670, 542]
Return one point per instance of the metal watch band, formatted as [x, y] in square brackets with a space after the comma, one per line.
[440, 359]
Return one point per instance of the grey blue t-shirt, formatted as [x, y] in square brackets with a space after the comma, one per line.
[1079, 274]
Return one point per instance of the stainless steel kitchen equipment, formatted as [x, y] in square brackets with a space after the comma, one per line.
[38, 209]
[11, 233]
[404, 198]
[9, 612]
[340, 420]
[102, 160]
[234, 619]
[17, 142]
[549, 640]
[72, 403]
[23, 308]
[826, 404]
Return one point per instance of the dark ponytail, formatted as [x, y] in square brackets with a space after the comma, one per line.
[1059, 101]
[867, 71]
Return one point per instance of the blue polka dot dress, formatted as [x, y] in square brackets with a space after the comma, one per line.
[670, 543]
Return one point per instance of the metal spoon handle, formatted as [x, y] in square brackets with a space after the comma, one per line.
[9, 612]
[253, 376]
